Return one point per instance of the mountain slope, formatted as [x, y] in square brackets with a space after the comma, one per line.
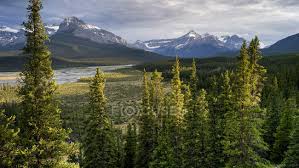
[79, 28]
[287, 45]
[192, 45]
[11, 39]
[14, 39]
[75, 40]
[68, 46]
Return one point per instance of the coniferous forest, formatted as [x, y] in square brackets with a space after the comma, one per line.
[245, 115]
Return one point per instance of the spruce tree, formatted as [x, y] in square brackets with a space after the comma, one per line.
[257, 71]
[119, 149]
[187, 98]
[274, 105]
[40, 124]
[163, 155]
[226, 94]
[196, 134]
[176, 113]
[282, 136]
[219, 105]
[130, 147]
[177, 97]
[292, 155]
[242, 139]
[99, 146]
[8, 141]
[193, 80]
[147, 128]
[157, 96]
[168, 151]
[190, 95]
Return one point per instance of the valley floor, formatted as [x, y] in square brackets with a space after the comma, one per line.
[123, 90]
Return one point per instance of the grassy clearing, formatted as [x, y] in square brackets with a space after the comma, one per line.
[123, 91]
[110, 77]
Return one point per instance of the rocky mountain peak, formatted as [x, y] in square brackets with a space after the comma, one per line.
[70, 24]
[192, 34]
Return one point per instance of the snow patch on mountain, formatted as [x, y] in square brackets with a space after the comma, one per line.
[54, 27]
[192, 34]
[51, 29]
[151, 47]
[88, 26]
[8, 29]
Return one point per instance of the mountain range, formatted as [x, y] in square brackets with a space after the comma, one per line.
[76, 40]
[10, 38]
[192, 44]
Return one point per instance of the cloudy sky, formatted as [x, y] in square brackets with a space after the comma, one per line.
[135, 20]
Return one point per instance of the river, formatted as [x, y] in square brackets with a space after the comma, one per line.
[65, 75]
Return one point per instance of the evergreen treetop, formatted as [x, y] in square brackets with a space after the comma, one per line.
[99, 146]
[40, 124]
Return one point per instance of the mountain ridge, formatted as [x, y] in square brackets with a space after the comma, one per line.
[288, 44]
[75, 40]
[188, 45]
[192, 44]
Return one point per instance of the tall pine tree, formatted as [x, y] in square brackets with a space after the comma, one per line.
[292, 155]
[220, 103]
[257, 71]
[196, 134]
[242, 139]
[157, 96]
[274, 104]
[176, 113]
[177, 97]
[99, 146]
[147, 128]
[163, 155]
[282, 135]
[193, 80]
[40, 124]
[130, 147]
[119, 149]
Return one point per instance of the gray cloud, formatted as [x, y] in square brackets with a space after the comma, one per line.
[147, 19]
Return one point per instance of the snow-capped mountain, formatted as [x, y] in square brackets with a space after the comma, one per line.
[80, 29]
[10, 36]
[14, 38]
[192, 44]
[51, 29]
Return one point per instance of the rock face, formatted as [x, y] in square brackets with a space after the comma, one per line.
[81, 29]
[192, 44]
